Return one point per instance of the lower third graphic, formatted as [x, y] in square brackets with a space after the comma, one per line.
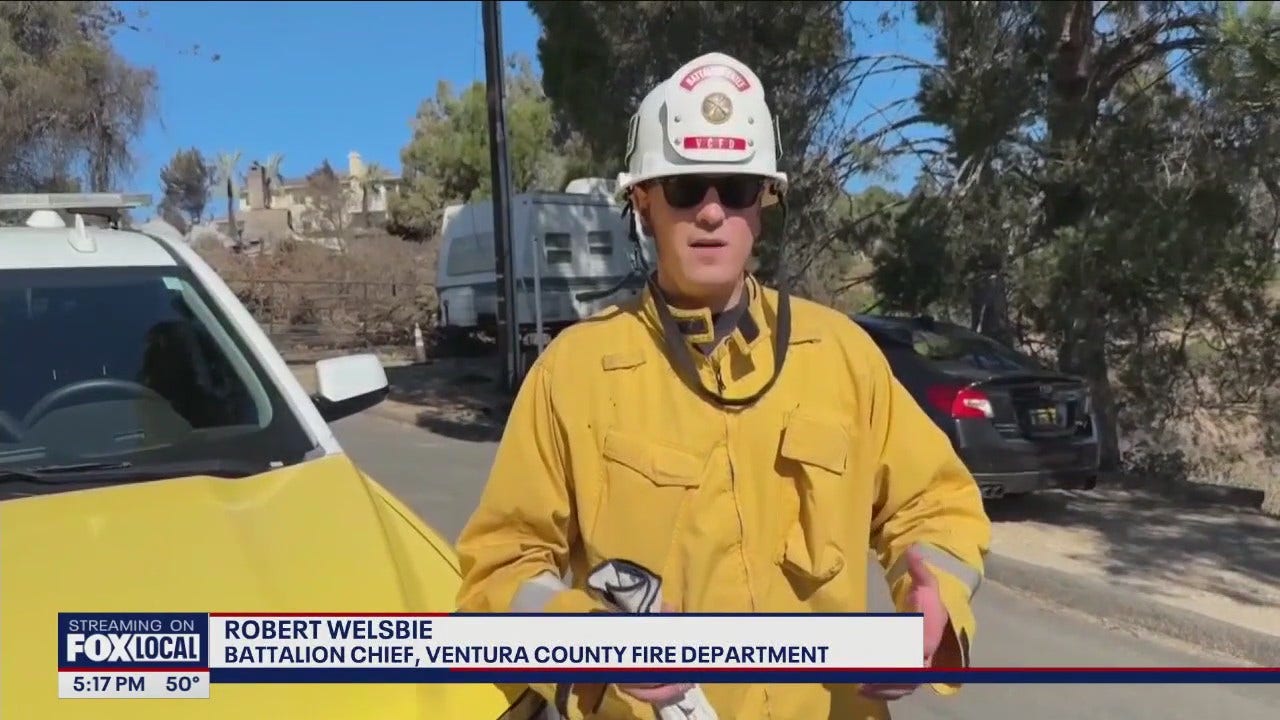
[133, 655]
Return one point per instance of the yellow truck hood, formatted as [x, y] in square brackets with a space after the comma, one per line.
[316, 537]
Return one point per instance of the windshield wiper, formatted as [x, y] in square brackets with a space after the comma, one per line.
[46, 472]
[123, 471]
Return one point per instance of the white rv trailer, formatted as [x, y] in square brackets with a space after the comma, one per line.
[564, 244]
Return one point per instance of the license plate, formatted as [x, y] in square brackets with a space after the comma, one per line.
[1047, 416]
[531, 339]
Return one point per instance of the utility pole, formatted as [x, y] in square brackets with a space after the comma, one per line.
[508, 329]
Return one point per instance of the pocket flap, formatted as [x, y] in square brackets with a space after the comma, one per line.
[662, 465]
[816, 563]
[816, 441]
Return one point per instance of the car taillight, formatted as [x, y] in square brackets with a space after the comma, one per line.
[961, 402]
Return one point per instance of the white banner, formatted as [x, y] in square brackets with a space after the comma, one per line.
[564, 642]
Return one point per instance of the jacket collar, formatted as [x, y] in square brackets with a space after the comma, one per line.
[698, 326]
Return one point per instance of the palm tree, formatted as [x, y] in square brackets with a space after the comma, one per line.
[227, 163]
[271, 174]
[372, 179]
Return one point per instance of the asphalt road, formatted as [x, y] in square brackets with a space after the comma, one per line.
[441, 479]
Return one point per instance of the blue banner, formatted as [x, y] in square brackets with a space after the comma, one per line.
[971, 676]
[181, 654]
[133, 641]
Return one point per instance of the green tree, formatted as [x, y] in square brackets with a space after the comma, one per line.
[599, 59]
[841, 273]
[447, 159]
[1096, 184]
[186, 182]
[71, 106]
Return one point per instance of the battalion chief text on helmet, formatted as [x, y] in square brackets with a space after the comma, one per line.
[747, 447]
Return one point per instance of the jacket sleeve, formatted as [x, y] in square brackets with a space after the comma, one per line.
[514, 549]
[926, 500]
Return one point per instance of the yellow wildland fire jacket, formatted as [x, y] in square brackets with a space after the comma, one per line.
[769, 507]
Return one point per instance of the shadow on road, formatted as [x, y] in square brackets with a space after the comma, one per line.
[1203, 537]
[455, 397]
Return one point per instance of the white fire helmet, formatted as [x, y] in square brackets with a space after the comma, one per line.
[709, 118]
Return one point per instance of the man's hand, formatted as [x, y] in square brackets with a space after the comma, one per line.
[656, 694]
[922, 598]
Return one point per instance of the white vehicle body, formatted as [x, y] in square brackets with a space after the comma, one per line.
[563, 244]
[47, 242]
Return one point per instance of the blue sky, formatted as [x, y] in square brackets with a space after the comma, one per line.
[315, 80]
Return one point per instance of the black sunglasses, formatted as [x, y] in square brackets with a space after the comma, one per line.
[737, 192]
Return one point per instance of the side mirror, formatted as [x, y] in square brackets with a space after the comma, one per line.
[349, 384]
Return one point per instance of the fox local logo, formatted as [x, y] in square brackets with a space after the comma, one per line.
[143, 640]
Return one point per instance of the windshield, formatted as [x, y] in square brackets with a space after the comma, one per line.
[955, 344]
[130, 365]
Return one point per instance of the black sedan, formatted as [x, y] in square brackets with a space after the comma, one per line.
[1018, 426]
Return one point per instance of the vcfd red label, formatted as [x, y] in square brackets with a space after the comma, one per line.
[715, 143]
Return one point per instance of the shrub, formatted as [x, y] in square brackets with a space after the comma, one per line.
[306, 295]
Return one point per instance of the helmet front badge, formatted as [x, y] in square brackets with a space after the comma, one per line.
[717, 108]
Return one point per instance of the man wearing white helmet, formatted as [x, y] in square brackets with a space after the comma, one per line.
[746, 447]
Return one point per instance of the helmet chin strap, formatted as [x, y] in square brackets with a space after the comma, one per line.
[678, 350]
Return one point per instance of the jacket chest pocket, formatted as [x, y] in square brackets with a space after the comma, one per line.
[815, 455]
[644, 495]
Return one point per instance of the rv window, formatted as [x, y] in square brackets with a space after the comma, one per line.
[470, 254]
[559, 248]
[600, 242]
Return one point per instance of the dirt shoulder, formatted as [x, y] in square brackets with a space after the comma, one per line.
[1205, 554]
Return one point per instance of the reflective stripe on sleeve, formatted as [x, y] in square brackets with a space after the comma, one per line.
[941, 560]
[534, 593]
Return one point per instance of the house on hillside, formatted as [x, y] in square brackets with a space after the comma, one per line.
[296, 195]
[326, 210]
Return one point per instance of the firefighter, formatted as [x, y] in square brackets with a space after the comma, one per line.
[746, 446]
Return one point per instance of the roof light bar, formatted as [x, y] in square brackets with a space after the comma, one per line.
[79, 203]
